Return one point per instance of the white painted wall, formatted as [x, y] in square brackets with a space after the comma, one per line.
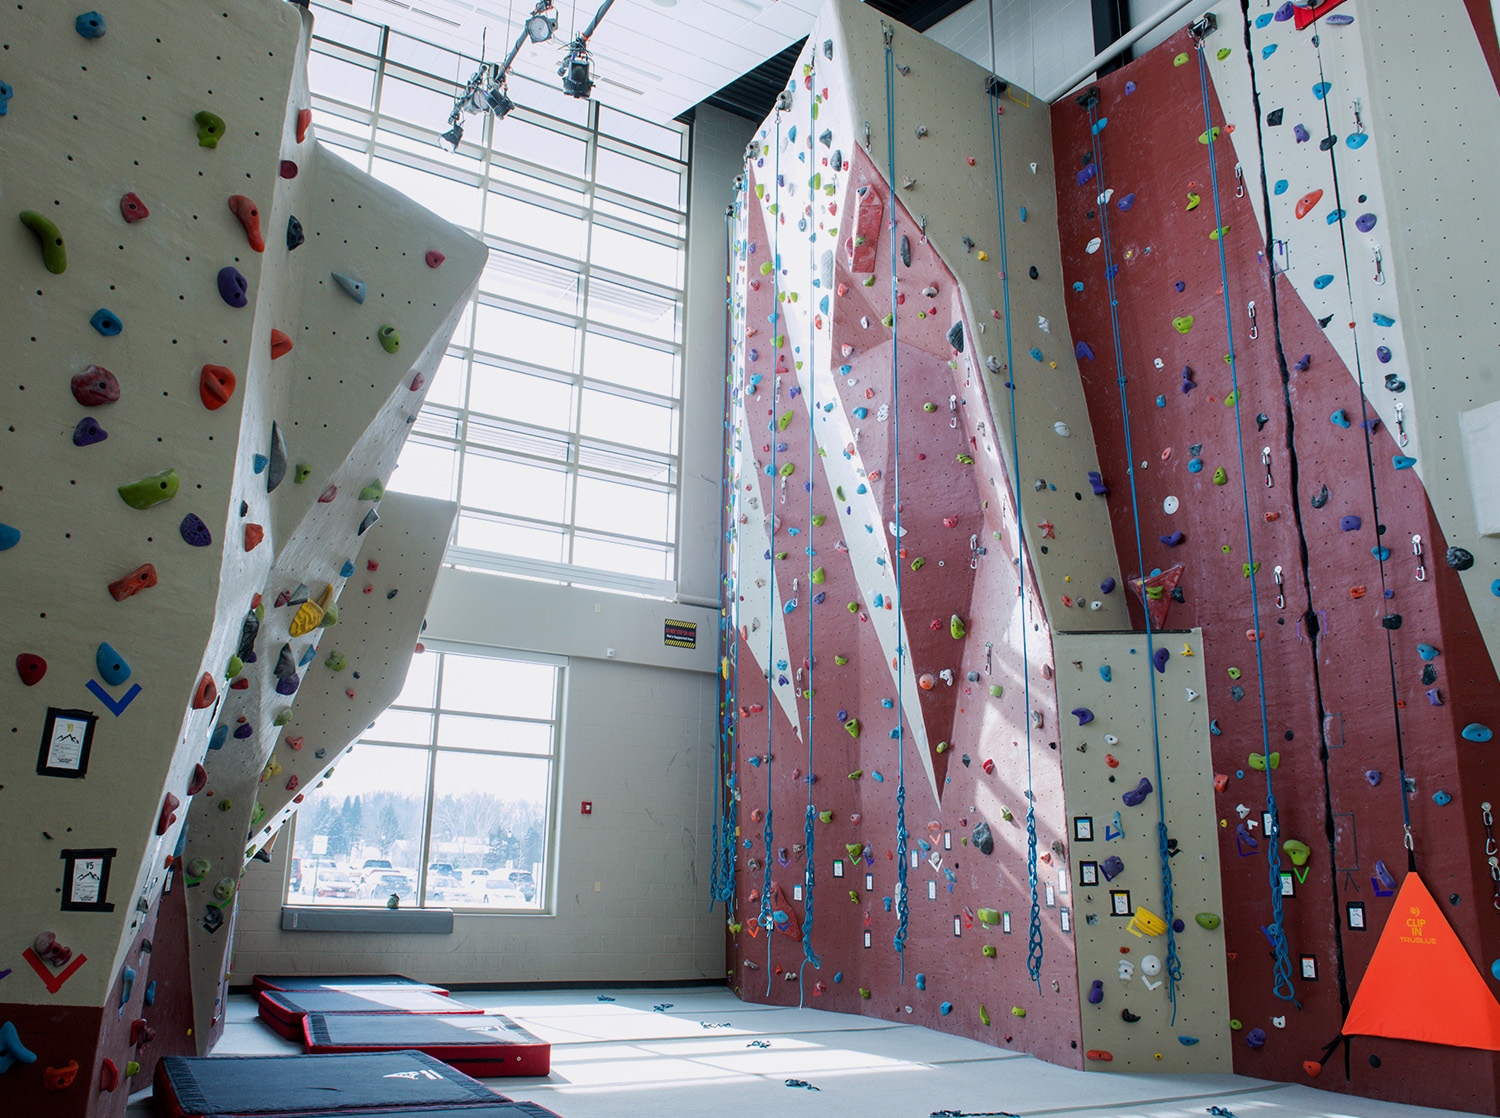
[1036, 43]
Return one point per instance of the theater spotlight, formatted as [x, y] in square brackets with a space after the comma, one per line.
[541, 23]
[576, 71]
[454, 136]
[498, 101]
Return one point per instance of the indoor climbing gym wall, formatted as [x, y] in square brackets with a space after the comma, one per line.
[1287, 379]
[894, 840]
[219, 335]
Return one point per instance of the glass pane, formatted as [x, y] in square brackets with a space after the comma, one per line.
[460, 731]
[485, 685]
[616, 305]
[636, 256]
[504, 538]
[541, 146]
[454, 201]
[530, 282]
[426, 470]
[639, 132]
[623, 420]
[354, 157]
[336, 27]
[651, 219]
[547, 403]
[496, 485]
[634, 176]
[635, 366]
[545, 188]
[489, 821]
[344, 81]
[547, 97]
[626, 558]
[413, 727]
[420, 689]
[415, 104]
[427, 146]
[534, 225]
[367, 822]
[533, 340]
[614, 506]
[446, 384]
[438, 61]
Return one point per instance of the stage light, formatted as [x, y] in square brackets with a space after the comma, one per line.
[577, 71]
[454, 136]
[542, 23]
[498, 102]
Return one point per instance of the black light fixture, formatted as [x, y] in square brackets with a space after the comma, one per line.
[541, 24]
[498, 101]
[576, 70]
[454, 136]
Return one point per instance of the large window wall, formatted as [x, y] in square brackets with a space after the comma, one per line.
[555, 419]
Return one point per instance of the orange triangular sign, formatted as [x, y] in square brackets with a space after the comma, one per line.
[1421, 983]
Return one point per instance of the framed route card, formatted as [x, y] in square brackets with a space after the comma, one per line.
[66, 740]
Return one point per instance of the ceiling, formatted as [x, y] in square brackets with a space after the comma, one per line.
[653, 58]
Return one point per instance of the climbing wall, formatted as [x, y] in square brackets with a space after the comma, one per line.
[1150, 1001]
[1291, 514]
[187, 345]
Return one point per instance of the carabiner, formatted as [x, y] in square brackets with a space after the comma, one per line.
[1280, 596]
[1379, 269]
[1254, 333]
[1416, 549]
[1239, 181]
[1265, 457]
[1401, 421]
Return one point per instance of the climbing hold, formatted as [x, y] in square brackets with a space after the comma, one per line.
[106, 322]
[1476, 731]
[1083, 714]
[1183, 323]
[1137, 795]
[946, 1008]
[1112, 867]
[7, 91]
[1160, 658]
[215, 385]
[244, 209]
[12, 1051]
[276, 466]
[254, 534]
[1208, 920]
[956, 627]
[1096, 991]
[151, 490]
[1297, 851]
[132, 209]
[372, 492]
[1256, 1038]
[1350, 523]
[233, 287]
[1258, 761]
[294, 234]
[281, 344]
[48, 239]
[984, 842]
[1402, 461]
[1459, 559]
[1172, 540]
[1220, 477]
[211, 128]
[1340, 418]
[113, 668]
[390, 338]
[88, 432]
[304, 118]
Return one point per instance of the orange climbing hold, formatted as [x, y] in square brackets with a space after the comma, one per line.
[304, 118]
[1421, 983]
[215, 385]
[249, 216]
[205, 693]
[1307, 202]
[142, 578]
[281, 345]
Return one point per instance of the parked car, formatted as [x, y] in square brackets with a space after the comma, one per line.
[521, 879]
[371, 865]
[447, 889]
[296, 875]
[476, 875]
[444, 868]
[498, 890]
[335, 883]
[380, 884]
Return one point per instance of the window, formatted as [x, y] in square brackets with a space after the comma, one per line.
[448, 801]
[556, 419]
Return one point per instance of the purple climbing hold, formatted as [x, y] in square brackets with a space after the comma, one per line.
[243, 730]
[1373, 776]
[1244, 838]
[1187, 380]
[1097, 481]
[88, 432]
[1126, 202]
[1129, 88]
[1300, 132]
[1364, 222]
[1171, 541]
[1160, 658]
[1256, 1038]
[1303, 363]
[1284, 12]
[1384, 876]
[1350, 523]
[1383, 353]
[1083, 714]
[1338, 19]
[288, 686]
[1180, 286]
[1096, 992]
[1112, 867]
[1087, 173]
[1137, 795]
[233, 287]
[1083, 352]
[195, 533]
[1107, 586]
[1434, 697]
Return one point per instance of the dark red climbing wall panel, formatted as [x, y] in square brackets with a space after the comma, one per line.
[1332, 711]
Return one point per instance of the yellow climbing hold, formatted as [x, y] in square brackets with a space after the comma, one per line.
[1217, 233]
[1193, 201]
[310, 613]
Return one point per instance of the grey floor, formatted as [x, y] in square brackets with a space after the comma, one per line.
[697, 1057]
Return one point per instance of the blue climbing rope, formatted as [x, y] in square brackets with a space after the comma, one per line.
[726, 802]
[808, 955]
[1282, 987]
[726, 517]
[768, 833]
[1034, 950]
[903, 914]
[1173, 962]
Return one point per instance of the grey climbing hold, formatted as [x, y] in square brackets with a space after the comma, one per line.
[1460, 559]
[368, 522]
[956, 336]
[905, 251]
[984, 842]
[294, 234]
[249, 630]
[1321, 499]
[276, 466]
[353, 288]
[286, 663]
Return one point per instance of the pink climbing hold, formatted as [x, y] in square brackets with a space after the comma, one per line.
[435, 258]
[324, 498]
[417, 382]
[132, 209]
[866, 239]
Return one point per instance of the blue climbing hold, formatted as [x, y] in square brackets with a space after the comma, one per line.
[1036, 353]
[1383, 319]
[1195, 465]
[7, 91]
[1083, 714]
[149, 997]
[1107, 586]
[1083, 352]
[353, 288]
[1105, 673]
[1265, 20]
[1357, 140]
[113, 668]
[1427, 652]
[1284, 12]
[1476, 731]
[220, 736]
[1335, 217]
[1495, 588]
[1350, 524]
[838, 976]
[861, 413]
[1099, 125]
[1077, 285]
[1267, 51]
[1187, 1040]
[1383, 354]
[1126, 202]
[88, 432]
[9, 537]
[106, 322]
[921, 981]
[1323, 281]
[1441, 798]
[1321, 90]
[1161, 401]
[1340, 418]
[1402, 461]
[259, 463]
[946, 1008]
[1023, 213]
[90, 25]
[1381, 552]
[1281, 186]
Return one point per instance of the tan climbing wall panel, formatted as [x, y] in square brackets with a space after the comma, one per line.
[1097, 772]
[380, 620]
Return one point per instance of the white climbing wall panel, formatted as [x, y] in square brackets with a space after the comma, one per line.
[1103, 760]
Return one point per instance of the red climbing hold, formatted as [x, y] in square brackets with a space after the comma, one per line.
[417, 382]
[281, 345]
[109, 1076]
[205, 693]
[326, 497]
[215, 385]
[249, 216]
[1312, 1067]
[435, 258]
[142, 578]
[1098, 1054]
[197, 781]
[31, 668]
[288, 169]
[304, 118]
[168, 814]
[1307, 202]
[866, 238]
[254, 533]
[132, 209]
[94, 386]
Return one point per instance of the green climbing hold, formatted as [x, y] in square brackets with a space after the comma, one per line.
[151, 490]
[787, 469]
[1220, 477]
[864, 993]
[1005, 813]
[303, 472]
[841, 660]
[857, 773]
[1258, 761]
[918, 564]
[929, 406]
[984, 1015]
[887, 319]
[1297, 851]
[390, 338]
[235, 667]
[1208, 920]
[966, 459]
[330, 616]
[1224, 52]
[1219, 232]
[869, 281]
[282, 717]
[956, 627]
[211, 128]
[372, 492]
[817, 577]
[1203, 137]
[1230, 399]
[996, 690]
[1180, 60]
[838, 491]
[766, 268]
[818, 519]
[825, 817]
[942, 747]
[853, 607]
[989, 950]
[988, 916]
[856, 850]
[1246, 568]
[1183, 323]
[854, 896]
[781, 555]
[48, 239]
[784, 421]
[336, 661]
[1017, 1011]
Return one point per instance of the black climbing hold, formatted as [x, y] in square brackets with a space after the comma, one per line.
[1261, 420]
[826, 138]
[286, 663]
[1393, 383]
[827, 48]
[1178, 595]
[1453, 899]
[1324, 321]
[965, 760]
[1321, 499]
[905, 251]
[1391, 621]
[1273, 118]
[956, 336]
[294, 234]
[391, 594]
[248, 633]
[1288, 734]
[244, 508]
[1088, 157]
[1033, 273]
[984, 842]
[1429, 673]
[1236, 692]
[1460, 559]
[1128, 1017]
[276, 466]
[1374, 1061]
[1091, 215]
[1327, 142]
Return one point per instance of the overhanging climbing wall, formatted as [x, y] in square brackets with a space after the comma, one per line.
[1149, 1003]
[1359, 644]
[193, 401]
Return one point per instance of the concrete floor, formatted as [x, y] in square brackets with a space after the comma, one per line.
[623, 1058]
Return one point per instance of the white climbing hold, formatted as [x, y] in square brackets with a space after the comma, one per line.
[1093, 246]
[1062, 429]
[1169, 506]
[1191, 694]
